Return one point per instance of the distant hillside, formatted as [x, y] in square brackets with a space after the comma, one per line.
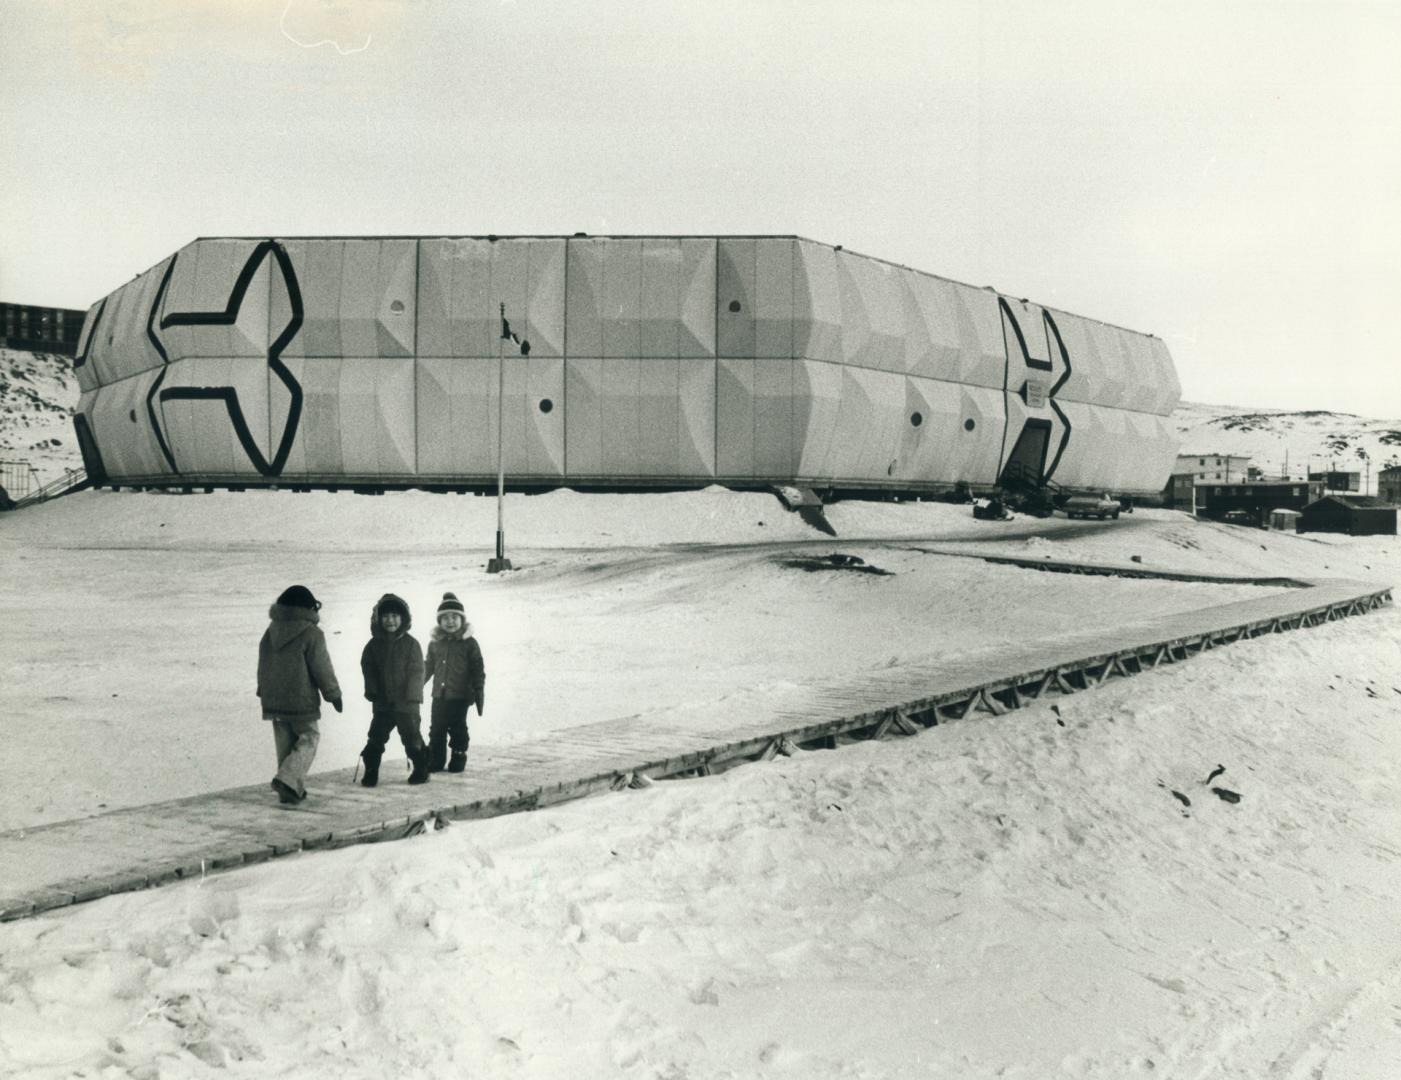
[1305, 440]
[38, 392]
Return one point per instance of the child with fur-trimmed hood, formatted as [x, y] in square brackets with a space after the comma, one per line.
[459, 678]
[294, 674]
[392, 664]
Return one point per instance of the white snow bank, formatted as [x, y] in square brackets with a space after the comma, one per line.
[1004, 897]
[1000, 898]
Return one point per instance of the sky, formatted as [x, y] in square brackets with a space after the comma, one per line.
[1223, 175]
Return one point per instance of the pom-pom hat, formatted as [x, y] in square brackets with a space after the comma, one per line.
[451, 605]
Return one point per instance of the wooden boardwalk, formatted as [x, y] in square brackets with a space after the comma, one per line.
[52, 866]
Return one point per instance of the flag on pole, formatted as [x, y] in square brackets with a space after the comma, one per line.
[507, 334]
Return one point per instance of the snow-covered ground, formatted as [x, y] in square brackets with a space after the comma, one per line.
[673, 605]
[1017, 897]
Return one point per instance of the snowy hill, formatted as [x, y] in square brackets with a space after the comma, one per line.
[37, 394]
[1299, 441]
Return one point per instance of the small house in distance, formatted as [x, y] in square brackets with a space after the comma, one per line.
[1285, 520]
[1389, 484]
[1253, 502]
[1356, 515]
[1338, 480]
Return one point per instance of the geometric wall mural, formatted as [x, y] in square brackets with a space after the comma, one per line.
[652, 362]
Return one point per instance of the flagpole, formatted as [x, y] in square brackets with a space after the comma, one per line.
[496, 565]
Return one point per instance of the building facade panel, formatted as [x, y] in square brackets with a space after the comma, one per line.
[620, 314]
[697, 330]
[121, 346]
[773, 299]
[734, 419]
[873, 313]
[454, 401]
[83, 368]
[660, 291]
[736, 297]
[817, 303]
[121, 425]
[455, 313]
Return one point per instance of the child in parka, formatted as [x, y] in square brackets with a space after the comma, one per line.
[392, 664]
[455, 666]
[294, 674]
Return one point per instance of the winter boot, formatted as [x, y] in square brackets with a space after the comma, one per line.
[419, 757]
[458, 762]
[437, 751]
[285, 794]
[370, 755]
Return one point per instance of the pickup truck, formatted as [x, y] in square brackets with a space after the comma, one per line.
[1087, 506]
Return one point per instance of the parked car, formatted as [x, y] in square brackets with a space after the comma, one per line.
[1088, 506]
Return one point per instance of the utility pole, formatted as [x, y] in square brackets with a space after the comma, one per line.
[500, 563]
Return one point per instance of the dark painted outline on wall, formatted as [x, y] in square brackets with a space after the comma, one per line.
[1043, 365]
[228, 394]
[82, 357]
[152, 337]
[1051, 394]
[87, 446]
[1040, 365]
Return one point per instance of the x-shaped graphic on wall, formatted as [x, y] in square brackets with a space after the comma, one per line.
[229, 394]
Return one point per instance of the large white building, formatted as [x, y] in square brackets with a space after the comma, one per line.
[1204, 467]
[628, 362]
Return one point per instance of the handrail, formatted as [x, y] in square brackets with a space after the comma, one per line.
[17, 477]
[71, 480]
[1018, 474]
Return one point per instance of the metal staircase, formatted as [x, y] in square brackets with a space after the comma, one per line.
[72, 480]
[1023, 489]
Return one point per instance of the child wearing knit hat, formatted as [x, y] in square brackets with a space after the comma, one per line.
[454, 664]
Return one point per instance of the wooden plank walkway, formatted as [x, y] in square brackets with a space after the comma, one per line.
[52, 866]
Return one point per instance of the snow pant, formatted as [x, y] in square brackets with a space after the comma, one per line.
[382, 722]
[296, 749]
[405, 723]
[447, 725]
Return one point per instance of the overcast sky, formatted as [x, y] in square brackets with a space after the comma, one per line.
[1222, 174]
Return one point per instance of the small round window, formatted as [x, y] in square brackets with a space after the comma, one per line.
[969, 425]
[546, 405]
[916, 419]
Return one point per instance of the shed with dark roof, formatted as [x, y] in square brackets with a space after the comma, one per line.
[1356, 515]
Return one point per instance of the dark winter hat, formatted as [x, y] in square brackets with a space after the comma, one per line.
[299, 596]
[451, 605]
[390, 602]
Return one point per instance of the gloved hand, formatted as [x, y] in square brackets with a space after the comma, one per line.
[481, 702]
[337, 704]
